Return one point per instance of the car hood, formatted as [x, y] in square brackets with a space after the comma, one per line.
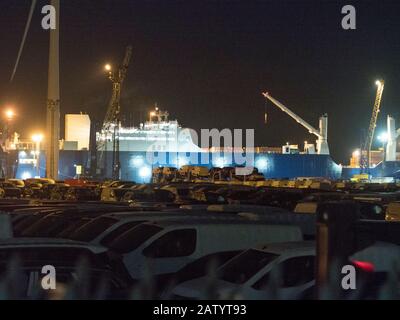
[202, 288]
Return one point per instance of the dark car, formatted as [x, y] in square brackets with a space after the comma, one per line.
[81, 271]
[33, 190]
[59, 191]
[82, 194]
[8, 190]
[157, 195]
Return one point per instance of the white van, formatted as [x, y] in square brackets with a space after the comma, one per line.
[105, 228]
[166, 246]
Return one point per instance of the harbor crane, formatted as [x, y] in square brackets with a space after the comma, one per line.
[322, 133]
[112, 120]
[366, 147]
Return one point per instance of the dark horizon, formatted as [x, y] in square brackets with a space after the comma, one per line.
[207, 62]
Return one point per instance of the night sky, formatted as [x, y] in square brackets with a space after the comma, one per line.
[207, 62]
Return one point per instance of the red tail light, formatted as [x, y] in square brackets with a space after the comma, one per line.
[364, 265]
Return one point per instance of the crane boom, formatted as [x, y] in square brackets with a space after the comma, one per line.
[111, 123]
[366, 148]
[117, 78]
[322, 133]
[304, 123]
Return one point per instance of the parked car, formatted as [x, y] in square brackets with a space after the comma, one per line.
[104, 274]
[9, 190]
[196, 269]
[167, 246]
[181, 192]
[106, 228]
[33, 190]
[59, 191]
[39, 180]
[155, 196]
[274, 271]
[82, 194]
[365, 209]
[19, 183]
[116, 190]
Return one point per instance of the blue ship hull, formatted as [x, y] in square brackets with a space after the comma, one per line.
[136, 166]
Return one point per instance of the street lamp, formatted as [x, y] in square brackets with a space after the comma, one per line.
[108, 67]
[37, 138]
[356, 153]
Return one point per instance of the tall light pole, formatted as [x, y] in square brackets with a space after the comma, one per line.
[53, 100]
[37, 138]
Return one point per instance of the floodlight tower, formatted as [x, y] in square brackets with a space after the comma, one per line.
[53, 100]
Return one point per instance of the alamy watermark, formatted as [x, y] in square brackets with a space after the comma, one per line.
[49, 21]
[233, 150]
[349, 20]
[49, 280]
[349, 279]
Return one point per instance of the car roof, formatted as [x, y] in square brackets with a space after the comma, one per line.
[213, 220]
[177, 215]
[48, 242]
[281, 247]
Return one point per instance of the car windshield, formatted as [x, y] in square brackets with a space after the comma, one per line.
[245, 265]
[118, 231]
[93, 229]
[133, 238]
[205, 264]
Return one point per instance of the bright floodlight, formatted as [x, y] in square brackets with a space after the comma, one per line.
[145, 172]
[378, 83]
[37, 137]
[26, 175]
[356, 153]
[383, 137]
[107, 67]
[10, 114]
[219, 162]
[137, 161]
[262, 164]
[182, 161]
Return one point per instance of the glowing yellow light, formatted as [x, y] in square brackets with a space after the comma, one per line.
[152, 114]
[10, 114]
[378, 83]
[107, 67]
[37, 137]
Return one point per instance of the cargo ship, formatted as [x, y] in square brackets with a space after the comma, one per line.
[163, 142]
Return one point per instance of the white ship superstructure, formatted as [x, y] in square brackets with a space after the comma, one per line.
[158, 134]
